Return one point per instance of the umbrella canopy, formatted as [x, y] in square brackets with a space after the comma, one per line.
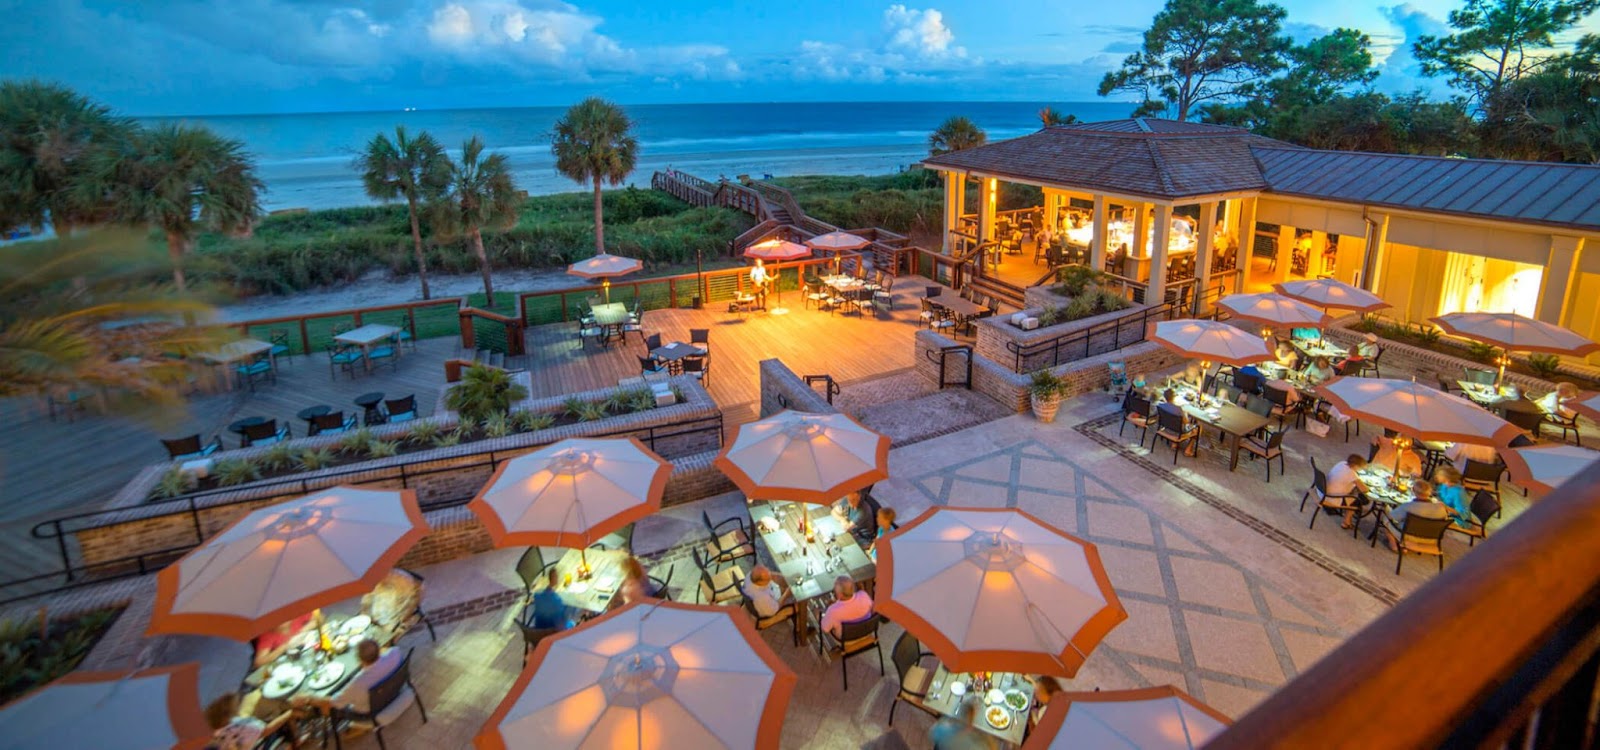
[604, 265]
[1417, 411]
[1158, 718]
[1331, 294]
[1547, 467]
[838, 241]
[777, 250]
[571, 493]
[1587, 404]
[650, 675]
[997, 590]
[1210, 341]
[1514, 332]
[151, 709]
[1274, 310]
[284, 560]
[811, 458]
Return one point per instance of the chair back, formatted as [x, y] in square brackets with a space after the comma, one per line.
[1275, 440]
[1478, 375]
[401, 405]
[1484, 506]
[1319, 480]
[389, 688]
[1429, 529]
[532, 635]
[329, 421]
[182, 446]
[1170, 420]
[907, 652]
[1139, 405]
[694, 364]
[262, 431]
[1248, 382]
[1527, 421]
[646, 364]
[1258, 406]
[652, 342]
[529, 566]
[699, 561]
[855, 630]
[1277, 396]
[699, 335]
[932, 291]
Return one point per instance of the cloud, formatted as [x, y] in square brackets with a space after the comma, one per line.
[1304, 32]
[1121, 48]
[920, 32]
[1399, 71]
[917, 46]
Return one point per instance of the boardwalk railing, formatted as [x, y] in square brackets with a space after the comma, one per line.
[314, 333]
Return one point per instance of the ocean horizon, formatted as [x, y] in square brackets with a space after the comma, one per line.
[305, 159]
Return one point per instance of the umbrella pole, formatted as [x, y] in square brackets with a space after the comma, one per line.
[1500, 378]
[605, 284]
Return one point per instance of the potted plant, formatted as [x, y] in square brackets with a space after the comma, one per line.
[484, 392]
[1044, 394]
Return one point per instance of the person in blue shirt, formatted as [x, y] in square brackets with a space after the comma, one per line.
[1447, 490]
[547, 611]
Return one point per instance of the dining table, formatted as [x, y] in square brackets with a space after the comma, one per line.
[1487, 395]
[1007, 692]
[1229, 419]
[309, 674]
[593, 594]
[237, 352]
[366, 337]
[809, 562]
[612, 319]
[674, 353]
[1323, 348]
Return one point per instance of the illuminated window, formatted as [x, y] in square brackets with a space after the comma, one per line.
[1474, 283]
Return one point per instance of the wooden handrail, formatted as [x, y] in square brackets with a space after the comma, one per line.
[1449, 645]
[515, 345]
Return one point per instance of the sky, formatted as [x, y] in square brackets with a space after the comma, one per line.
[171, 57]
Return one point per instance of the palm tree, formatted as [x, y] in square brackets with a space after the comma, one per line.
[1050, 117]
[955, 134]
[480, 194]
[78, 316]
[593, 142]
[49, 135]
[415, 169]
[181, 179]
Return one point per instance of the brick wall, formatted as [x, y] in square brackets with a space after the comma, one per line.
[996, 336]
[782, 389]
[1001, 384]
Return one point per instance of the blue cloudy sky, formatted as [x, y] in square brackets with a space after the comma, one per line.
[245, 56]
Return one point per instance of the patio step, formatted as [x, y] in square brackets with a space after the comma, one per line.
[1008, 293]
[492, 359]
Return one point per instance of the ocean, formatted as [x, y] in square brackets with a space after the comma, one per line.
[305, 158]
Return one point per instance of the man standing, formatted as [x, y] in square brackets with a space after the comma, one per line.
[758, 283]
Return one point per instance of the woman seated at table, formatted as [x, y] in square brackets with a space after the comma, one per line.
[636, 584]
[886, 524]
[1555, 402]
[1423, 506]
[1410, 464]
[765, 592]
[1344, 481]
[849, 605]
[1320, 371]
[1044, 688]
[394, 600]
[1286, 355]
[1448, 491]
[300, 631]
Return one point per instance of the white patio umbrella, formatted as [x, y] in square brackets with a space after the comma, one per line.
[802, 457]
[1274, 311]
[603, 267]
[284, 560]
[571, 493]
[650, 675]
[777, 250]
[837, 241]
[151, 709]
[1210, 341]
[1157, 718]
[1587, 404]
[996, 590]
[1417, 411]
[1513, 332]
[1331, 294]
[1547, 467]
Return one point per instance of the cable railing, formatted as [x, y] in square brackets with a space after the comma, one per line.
[304, 334]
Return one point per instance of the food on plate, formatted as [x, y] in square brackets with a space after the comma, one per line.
[998, 717]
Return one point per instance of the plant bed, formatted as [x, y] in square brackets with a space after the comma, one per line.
[31, 655]
[1542, 367]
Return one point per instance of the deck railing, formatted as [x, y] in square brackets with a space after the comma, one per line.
[491, 331]
[1120, 332]
[314, 332]
[1501, 650]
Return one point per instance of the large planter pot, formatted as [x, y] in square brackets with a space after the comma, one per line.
[1045, 407]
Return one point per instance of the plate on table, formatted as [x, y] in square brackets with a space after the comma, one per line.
[998, 717]
[356, 625]
[578, 588]
[284, 680]
[958, 688]
[606, 583]
[994, 696]
[1017, 700]
[326, 675]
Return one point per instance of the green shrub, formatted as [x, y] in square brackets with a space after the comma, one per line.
[529, 421]
[1075, 280]
[497, 426]
[591, 411]
[355, 442]
[235, 471]
[278, 457]
[1544, 365]
[1480, 351]
[447, 439]
[32, 655]
[641, 399]
[483, 392]
[573, 406]
[422, 433]
[1429, 335]
[312, 459]
[174, 483]
[382, 448]
[1045, 384]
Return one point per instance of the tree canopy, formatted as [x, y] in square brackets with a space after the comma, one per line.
[594, 143]
[955, 134]
[1496, 43]
[415, 170]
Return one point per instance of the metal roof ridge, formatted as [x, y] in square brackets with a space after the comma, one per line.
[1285, 146]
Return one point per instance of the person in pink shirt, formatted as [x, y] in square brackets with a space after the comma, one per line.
[848, 605]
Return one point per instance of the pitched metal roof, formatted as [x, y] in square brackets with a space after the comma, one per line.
[1563, 195]
[1149, 158]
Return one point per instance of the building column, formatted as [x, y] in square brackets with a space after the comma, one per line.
[1141, 228]
[987, 197]
[1204, 247]
[1158, 255]
[1247, 241]
[1377, 247]
[1097, 245]
[1559, 282]
[952, 208]
[1285, 253]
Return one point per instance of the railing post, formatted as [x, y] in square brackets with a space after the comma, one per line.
[194, 515]
[305, 338]
[411, 321]
[61, 544]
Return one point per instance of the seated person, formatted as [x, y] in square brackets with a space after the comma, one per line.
[547, 611]
[886, 524]
[1409, 463]
[1460, 453]
[229, 730]
[376, 664]
[854, 515]
[394, 600]
[1343, 481]
[1286, 355]
[1448, 491]
[848, 605]
[1367, 349]
[1320, 371]
[766, 594]
[1169, 405]
[959, 732]
[1555, 402]
[1044, 688]
[636, 583]
[1424, 506]
[297, 632]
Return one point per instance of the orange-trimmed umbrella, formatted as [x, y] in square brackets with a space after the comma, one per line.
[1547, 467]
[1331, 294]
[997, 590]
[1210, 341]
[571, 493]
[837, 241]
[603, 267]
[649, 675]
[1274, 311]
[151, 709]
[1587, 404]
[1157, 718]
[1417, 411]
[802, 457]
[284, 560]
[777, 250]
[1516, 333]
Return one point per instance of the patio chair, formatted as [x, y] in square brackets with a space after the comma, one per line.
[1268, 449]
[1371, 365]
[1423, 536]
[855, 637]
[1173, 428]
[651, 366]
[531, 636]
[907, 656]
[721, 587]
[587, 329]
[531, 569]
[343, 357]
[400, 409]
[265, 433]
[697, 367]
[190, 448]
[416, 616]
[727, 546]
[387, 701]
[280, 350]
[621, 539]
[662, 590]
[1281, 408]
[652, 342]
[930, 292]
[1248, 382]
[701, 337]
[815, 292]
[1565, 424]
[1485, 507]
[331, 423]
[1531, 422]
[406, 338]
[1138, 411]
[785, 612]
[388, 353]
[1483, 476]
[885, 290]
[1336, 503]
[69, 404]
[256, 369]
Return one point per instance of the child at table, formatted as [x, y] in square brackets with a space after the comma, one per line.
[886, 524]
